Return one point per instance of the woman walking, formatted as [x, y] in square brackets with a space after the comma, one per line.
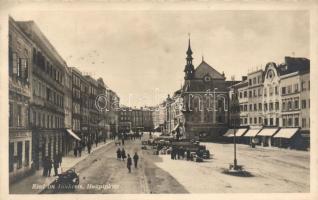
[129, 163]
[123, 154]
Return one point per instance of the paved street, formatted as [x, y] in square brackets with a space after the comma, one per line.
[102, 168]
[273, 170]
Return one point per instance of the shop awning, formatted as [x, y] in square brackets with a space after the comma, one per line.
[251, 132]
[73, 134]
[286, 132]
[267, 132]
[239, 132]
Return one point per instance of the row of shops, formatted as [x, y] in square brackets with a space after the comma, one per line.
[291, 137]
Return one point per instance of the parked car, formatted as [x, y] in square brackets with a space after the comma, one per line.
[66, 181]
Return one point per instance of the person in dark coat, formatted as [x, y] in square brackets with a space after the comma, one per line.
[45, 166]
[136, 157]
[188, 155]
[122, 141]
[80, 150]
[75, 151]
[56, 165]
[118, 153]
[96, 142]
[129, 163]
[50, 163]
[89, 147]
[60, 158]
[123, 154]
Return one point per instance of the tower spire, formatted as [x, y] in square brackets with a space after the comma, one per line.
[189, 69]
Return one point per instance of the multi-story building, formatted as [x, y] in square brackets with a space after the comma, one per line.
[295, 89]
[147, 122]
[76, 100]
[87, 132]
[47, 100]
[68, 140]
[20, 77]
[255, 93]
[101, 101]
[94, 114]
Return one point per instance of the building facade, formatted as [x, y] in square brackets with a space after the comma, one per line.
[20, 76]
[47, 100]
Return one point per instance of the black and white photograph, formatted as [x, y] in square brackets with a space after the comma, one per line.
[110, 100]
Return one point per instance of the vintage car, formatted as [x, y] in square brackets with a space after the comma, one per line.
[66, 181]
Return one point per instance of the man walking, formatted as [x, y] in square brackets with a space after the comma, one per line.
[129, 163]
[50, 163]
[56, 165]
[136, 157]
[118, 153]
[45, 166]
[89, 147]
[123, 154]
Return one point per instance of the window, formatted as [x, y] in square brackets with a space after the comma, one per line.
[249, 81]
[250, 94]
[265, 92]
[19, 115]
[283, 90]
[265, 106]
[10, 114]
[276, 105]
[303, 122]
[241, 95]
[284, 106]
[271, 121]
[290, 121]
[296, 121]
[289, 89]
[284, 121]
[255, 107]
[254, 80]
[289, 105]
[251, 120]
[277, 122]
[251, 107]
[303, 104]
[260, 106]
[296, 87]
[245, 94]
[296, 103]
[276, 90]
[260, 120]
[255, 120]
[271, 106]
[245, 120]
[303, 86]
[270, 91]
[254, 93]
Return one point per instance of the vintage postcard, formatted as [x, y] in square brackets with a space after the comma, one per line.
[148, 99]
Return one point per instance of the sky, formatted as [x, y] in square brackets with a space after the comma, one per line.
[141, 54]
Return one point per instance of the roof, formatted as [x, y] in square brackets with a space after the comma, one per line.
[205, 69]
[293, 64]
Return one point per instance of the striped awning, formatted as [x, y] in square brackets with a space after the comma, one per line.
[238, 132]
[251, 132]
[267, 132]
[286, 132]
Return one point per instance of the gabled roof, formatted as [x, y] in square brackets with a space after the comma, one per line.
[205, 69]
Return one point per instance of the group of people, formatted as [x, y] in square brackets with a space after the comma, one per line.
[80, 146]
[48, 164]
[179, 153]
[121, 155]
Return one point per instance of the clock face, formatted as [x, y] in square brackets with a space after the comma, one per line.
[207, 78]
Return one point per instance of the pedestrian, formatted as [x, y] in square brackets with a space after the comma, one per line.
[50, 163]
[80, 150]
[89, 147]
[188, 154]
[129, 163]
[118, 153]
[123, 154]
[75, 151]
[45, 166]
[56, 165]
[60, 158]
[136, 157]
[122, 141]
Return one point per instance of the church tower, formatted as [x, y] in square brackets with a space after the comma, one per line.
[189, 69]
